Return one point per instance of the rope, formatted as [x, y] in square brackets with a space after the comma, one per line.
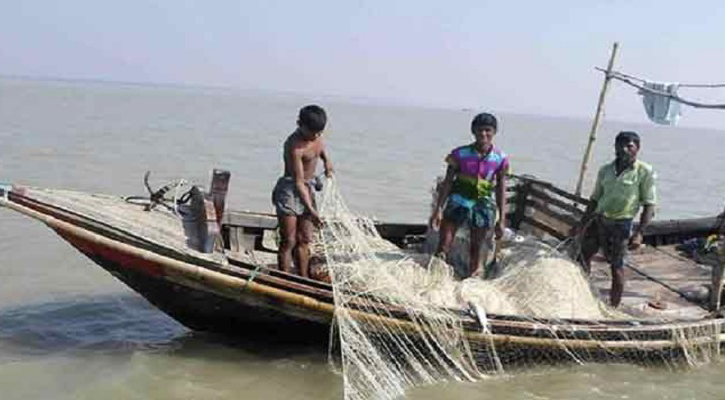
[670, 95]
[254, 274]
[179, 183]
[675, 256]
[631, 265]
[258, 267]
[157, 197]
[628, 80]
[690, 85]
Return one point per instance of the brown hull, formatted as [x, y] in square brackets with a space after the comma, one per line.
[208, 296]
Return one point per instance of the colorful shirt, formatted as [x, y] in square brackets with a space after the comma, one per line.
[619, 197]
[476, 176]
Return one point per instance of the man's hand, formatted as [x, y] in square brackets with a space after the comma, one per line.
[329, 171]
[435, 220]
[635, 241]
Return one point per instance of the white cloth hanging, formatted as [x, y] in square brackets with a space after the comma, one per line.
[661, 109]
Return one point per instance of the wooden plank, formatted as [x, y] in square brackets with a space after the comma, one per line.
[536, 192]
[552, 222]
[581, 200]
[250, 219]
[218, 192]
[520, 204]
[243, 265]
[213, 241]
[546, 228]
[564, 218]
[247, 241]
[233, 239]
[659, 277]
[550, 186]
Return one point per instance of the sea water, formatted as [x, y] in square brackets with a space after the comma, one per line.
[69, 330]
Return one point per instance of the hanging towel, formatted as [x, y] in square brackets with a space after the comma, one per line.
[661, 109]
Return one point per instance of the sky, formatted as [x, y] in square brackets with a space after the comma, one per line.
[534, 57]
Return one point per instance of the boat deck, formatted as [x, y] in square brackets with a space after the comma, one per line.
[659, 282]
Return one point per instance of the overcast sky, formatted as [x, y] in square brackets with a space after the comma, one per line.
[507, 56]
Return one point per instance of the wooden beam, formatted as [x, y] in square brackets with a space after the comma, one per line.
[546, 228]
[567, 219]
[546, 198]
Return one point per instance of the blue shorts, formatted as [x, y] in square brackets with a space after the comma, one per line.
[477, 214]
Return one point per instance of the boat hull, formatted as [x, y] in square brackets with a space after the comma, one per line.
[206, 294]
[202, 307]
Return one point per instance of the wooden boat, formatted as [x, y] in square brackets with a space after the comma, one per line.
[236, 287]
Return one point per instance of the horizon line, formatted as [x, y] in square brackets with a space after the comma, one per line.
[350, 99]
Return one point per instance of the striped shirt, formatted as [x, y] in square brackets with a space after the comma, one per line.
[476, 175]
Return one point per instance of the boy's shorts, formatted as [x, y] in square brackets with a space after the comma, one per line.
[477, 214]
[287, 201]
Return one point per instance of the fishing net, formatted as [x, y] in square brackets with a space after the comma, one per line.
[402, 318]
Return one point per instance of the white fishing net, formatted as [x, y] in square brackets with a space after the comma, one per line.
[402, 319]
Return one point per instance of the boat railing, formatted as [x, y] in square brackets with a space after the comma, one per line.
[542, 209]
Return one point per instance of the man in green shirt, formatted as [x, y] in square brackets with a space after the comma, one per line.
[623, 186]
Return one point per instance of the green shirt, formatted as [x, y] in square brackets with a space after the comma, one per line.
[619, 197]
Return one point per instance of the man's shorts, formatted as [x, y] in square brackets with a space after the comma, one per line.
[477, 214]
[286, 200]
[611, 236]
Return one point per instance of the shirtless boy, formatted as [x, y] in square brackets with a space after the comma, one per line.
[292, 196]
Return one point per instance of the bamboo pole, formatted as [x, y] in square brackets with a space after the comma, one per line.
[597, 116]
